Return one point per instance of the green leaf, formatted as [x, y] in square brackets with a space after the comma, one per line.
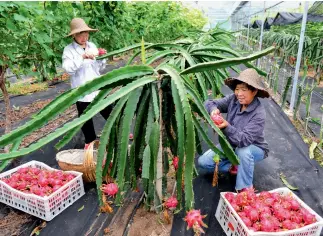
[155, 101]
[190, 135]
[43, 37]
[123, 145]
[122, 50]
[65, 101]
[10, 25]
[283, 179]
[200, 79]
[18, 17]
[81, 208]
[106, 132]
[312, 148]
[110, 152]
[130, 60]
[14, 147]
[179, 114]
[97, 108]
[140, 128]
[146, 163]
[206, 137]
[159, 55]
[154, 146]
[143, 51]
[226, 62]
[216, 157]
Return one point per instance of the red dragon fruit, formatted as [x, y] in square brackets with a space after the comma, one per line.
[194, 220]
[269, 212]
[229, 197]
[110, 189]
[217, 119]
[102, 51]
[171, 203]
[175, 162]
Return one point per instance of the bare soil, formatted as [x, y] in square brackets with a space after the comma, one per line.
[69, 114]
[11, 224]
[26, 111]
[20, 113]
[149, 224]
[146, 223]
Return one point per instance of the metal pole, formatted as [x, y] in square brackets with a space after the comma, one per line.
[248, 23]
[299, 57]
[262, 26]
[262, 30]
[255, 13]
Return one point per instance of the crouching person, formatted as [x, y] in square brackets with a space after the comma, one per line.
[243, 127]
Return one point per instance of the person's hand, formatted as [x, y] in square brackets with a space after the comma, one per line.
[223, 125]
[215, 112]
[87, 56]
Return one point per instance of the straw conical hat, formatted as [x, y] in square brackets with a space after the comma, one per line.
[251, 77]
[78, 25]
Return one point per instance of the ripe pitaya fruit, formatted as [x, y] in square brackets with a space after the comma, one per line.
[92, 52]
[110, 189]
[217, 119]
[171, 203]
[175, 162]
[194, 220]
[102, 51]
[229, 196]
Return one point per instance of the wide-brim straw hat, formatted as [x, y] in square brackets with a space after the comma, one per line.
[252, 78]
[78, 25]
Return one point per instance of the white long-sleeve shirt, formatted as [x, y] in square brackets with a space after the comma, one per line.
[81, 70]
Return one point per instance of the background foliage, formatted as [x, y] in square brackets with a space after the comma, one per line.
[33, 33]
[287, 38]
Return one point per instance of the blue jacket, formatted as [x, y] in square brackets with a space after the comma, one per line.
[246, 127]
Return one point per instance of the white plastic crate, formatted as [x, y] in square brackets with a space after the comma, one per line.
[46, 207]
[234, 226]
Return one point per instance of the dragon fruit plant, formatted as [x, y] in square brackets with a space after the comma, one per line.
[161, 106]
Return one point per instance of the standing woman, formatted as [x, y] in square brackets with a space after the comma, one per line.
[80, 63]
[243, 127]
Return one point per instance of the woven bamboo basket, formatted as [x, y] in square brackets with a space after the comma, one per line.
[80, 160]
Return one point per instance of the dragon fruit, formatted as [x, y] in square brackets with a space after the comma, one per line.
[175, 162]
[194, 220]
[171, 203]
[92, 52]
[102, 51]
[110, 189]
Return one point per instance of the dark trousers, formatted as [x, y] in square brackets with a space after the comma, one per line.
[88, 127]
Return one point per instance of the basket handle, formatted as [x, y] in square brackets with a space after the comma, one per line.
[88, 155]
[88, 161]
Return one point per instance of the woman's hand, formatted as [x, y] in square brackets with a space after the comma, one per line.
[87, 56]
[215, 112]
[223, 125]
